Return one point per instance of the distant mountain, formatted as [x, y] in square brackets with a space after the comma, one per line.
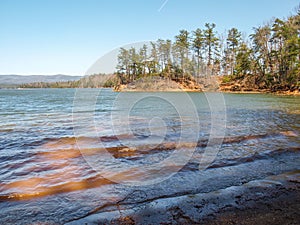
[14, 80]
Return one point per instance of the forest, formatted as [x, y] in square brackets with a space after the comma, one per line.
[91, 81]
[267, 59]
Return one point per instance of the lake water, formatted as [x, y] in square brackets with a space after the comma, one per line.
[67, 153]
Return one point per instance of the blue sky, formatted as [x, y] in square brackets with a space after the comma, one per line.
[68, 36]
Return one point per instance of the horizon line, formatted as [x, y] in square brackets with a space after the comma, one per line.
[50, 74]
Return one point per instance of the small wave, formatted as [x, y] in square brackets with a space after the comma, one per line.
[251, 158]
[92, 145]
[60, 167]
[71, 140]
[40, 191]
[6, 130]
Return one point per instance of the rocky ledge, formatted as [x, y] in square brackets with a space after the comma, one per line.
[272, 200]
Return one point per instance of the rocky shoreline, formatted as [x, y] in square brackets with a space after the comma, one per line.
[285, 93]
[272, 200]
[159, 84]
[212, 84]
[247, 85]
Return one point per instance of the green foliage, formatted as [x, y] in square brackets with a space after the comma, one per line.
[226, 79]
[243, 61]
[211, 42]
[271, 57]
[276, 52]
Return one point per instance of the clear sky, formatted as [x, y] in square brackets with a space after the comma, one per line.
[68, 36]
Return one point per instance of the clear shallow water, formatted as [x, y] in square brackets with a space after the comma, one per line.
[49, 145]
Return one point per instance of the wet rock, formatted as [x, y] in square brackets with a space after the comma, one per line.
[232, 205]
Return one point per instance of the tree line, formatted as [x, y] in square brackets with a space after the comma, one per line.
[269, 58]
[270, 55]
[91, 81]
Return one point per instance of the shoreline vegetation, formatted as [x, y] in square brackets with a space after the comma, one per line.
[158, 84]
[267, 61]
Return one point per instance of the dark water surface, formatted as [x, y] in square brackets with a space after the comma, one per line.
[49, 146]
